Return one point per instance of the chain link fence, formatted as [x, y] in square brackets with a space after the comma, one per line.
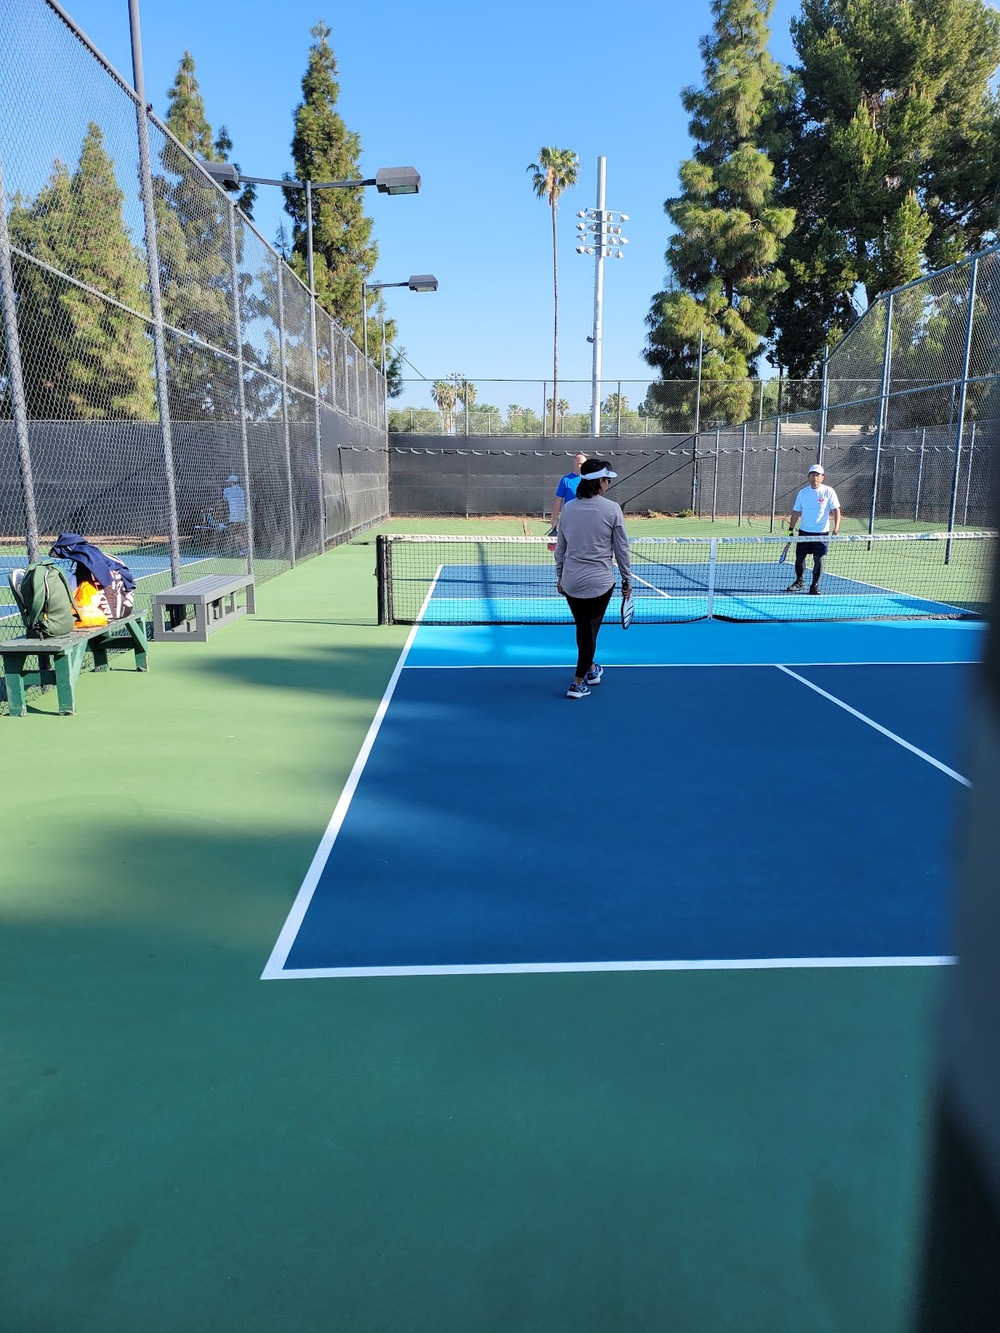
[905, 418]
[155, 351]
[456, 406]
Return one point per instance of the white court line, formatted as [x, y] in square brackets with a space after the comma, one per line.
[922, 754]
[560, 666]
[642, 965]
[276, 963]
[637, 578]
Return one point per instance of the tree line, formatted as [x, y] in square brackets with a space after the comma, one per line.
[813, 189]
[87, 357]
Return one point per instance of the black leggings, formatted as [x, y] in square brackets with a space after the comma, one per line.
[588, 612]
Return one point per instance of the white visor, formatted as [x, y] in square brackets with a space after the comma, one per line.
[596, 476]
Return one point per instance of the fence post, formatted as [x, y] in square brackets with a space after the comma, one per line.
[968, 474]
[715, 477]
[743, 472]
[920, 475]
[292, 544]
[545, 391]
[15, 381]
[618, 431]
[697, 396]
[760, 410]
[774, 470]
[960, 431]
[317, 425]
[241, 400]
[155, 295]
[883, 409]
[822, 409]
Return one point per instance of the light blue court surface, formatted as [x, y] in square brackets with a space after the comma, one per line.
[731, 796]
[756, 590]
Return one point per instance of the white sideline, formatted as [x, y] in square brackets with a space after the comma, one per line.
[635, 965]
[275, 966]
[863, 717]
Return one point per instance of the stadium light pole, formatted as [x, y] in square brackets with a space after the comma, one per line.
[387, 180]
[601, 237]
[417, 282]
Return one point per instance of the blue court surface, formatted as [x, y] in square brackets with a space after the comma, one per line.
[730, 796]
[740, 590]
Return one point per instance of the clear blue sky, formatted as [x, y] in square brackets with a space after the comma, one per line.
[467, 96]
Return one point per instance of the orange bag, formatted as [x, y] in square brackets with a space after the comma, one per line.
[90, 611]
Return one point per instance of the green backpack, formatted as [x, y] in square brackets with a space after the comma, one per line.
[46, 600]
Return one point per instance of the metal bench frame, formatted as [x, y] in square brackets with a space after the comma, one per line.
[213, 600]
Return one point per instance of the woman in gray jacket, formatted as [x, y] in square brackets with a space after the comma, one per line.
[591, 539]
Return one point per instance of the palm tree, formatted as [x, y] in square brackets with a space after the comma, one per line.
[446, 396]
[556, 170]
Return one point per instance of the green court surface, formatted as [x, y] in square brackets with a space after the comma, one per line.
[187, 1148]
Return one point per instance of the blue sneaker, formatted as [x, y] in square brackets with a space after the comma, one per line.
[593, 676]
[576, 691]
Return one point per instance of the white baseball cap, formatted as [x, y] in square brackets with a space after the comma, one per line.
[818, 467]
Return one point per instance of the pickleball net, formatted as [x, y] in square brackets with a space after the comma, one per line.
[511, 580]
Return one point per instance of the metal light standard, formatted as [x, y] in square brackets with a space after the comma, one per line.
[417, 282]
[387, 180]
[602, 237]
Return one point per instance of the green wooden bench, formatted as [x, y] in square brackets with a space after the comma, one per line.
[60, 660]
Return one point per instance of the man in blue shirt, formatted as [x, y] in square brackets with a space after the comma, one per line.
[566, 490]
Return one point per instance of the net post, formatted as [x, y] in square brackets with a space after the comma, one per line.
[383, 580]
[963, 387]
[712, 546]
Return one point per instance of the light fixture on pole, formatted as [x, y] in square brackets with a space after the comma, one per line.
[417, 282]
[387, 180]
[601, 236]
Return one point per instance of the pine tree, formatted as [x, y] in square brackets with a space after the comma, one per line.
[195, 268]
[723, 258]
[84, 358]
[890, 159]
[324, 149]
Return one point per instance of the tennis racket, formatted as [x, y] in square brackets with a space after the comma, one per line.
[784, 551]
[628, 609]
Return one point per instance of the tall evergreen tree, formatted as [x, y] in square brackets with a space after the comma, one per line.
[557, 169]
[188, 122]
[84, 358]
[324, 149]
[723, 258]
[195, 270]
[890, 157]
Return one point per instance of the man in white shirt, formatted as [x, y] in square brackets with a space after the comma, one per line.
[816, 507]
[236, 504]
